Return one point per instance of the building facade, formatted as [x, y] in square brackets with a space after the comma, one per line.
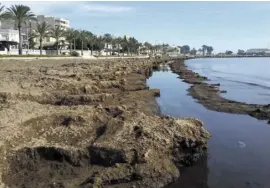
[8, 30]
[9, 35]
[173, 51]
[53, 22]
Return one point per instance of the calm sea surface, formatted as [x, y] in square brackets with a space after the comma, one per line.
[245, 79]
[239, 154]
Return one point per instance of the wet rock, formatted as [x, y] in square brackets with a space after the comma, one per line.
[260, 113]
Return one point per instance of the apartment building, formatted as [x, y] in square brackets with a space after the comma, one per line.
[53, 22]
[8, 28]
[9, 35]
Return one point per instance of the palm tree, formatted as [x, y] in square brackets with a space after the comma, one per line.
[61, 44]
[100, 42]
[108, 39]
[76, 36]
[83, 36]
[2, 14]
[31, 37]
[114, 44]
[20, 14]
[42, 31]
[209, 50]
[204, 48]
[118, 43]
[133, 45]
[70, 36]
[57, 33]
[92, 39]
[148, 46]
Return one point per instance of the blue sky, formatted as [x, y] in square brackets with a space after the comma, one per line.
[223, 25]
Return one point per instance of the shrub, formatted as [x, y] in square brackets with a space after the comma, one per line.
[74, 53]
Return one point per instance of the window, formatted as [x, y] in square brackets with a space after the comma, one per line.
[48, 39]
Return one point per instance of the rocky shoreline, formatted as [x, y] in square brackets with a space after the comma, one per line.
[82, 123]
[209, 94]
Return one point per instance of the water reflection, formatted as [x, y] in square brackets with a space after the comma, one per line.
[193, 177]
[229, 164]
[163, 67]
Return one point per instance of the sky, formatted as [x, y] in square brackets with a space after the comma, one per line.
[223, 25]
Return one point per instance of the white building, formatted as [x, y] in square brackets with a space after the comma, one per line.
[9, 35]
[9, 39]
[173, 51]
[7, 24]
[9, 31]
[53, 22]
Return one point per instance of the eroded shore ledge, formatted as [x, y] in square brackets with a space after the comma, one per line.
[209, 94]
[81, 123]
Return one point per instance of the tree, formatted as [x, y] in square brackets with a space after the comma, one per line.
[133, 45]
[108, 39]
[20, 14]
[2, 13]
[92, 39]
[100, 43]
[76, 37]
[83, 37]
[209, 50]
[31, 37]
[42, 31]
[70, 36]
[193, 51]
[57, 33]
[204, 48]
[185, 49]
[241, 52]
[228, 52]
[200, 50]
[149, 46]
[118, 44]
[114, 45]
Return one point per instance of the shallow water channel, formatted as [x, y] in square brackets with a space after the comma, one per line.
[238, 154]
